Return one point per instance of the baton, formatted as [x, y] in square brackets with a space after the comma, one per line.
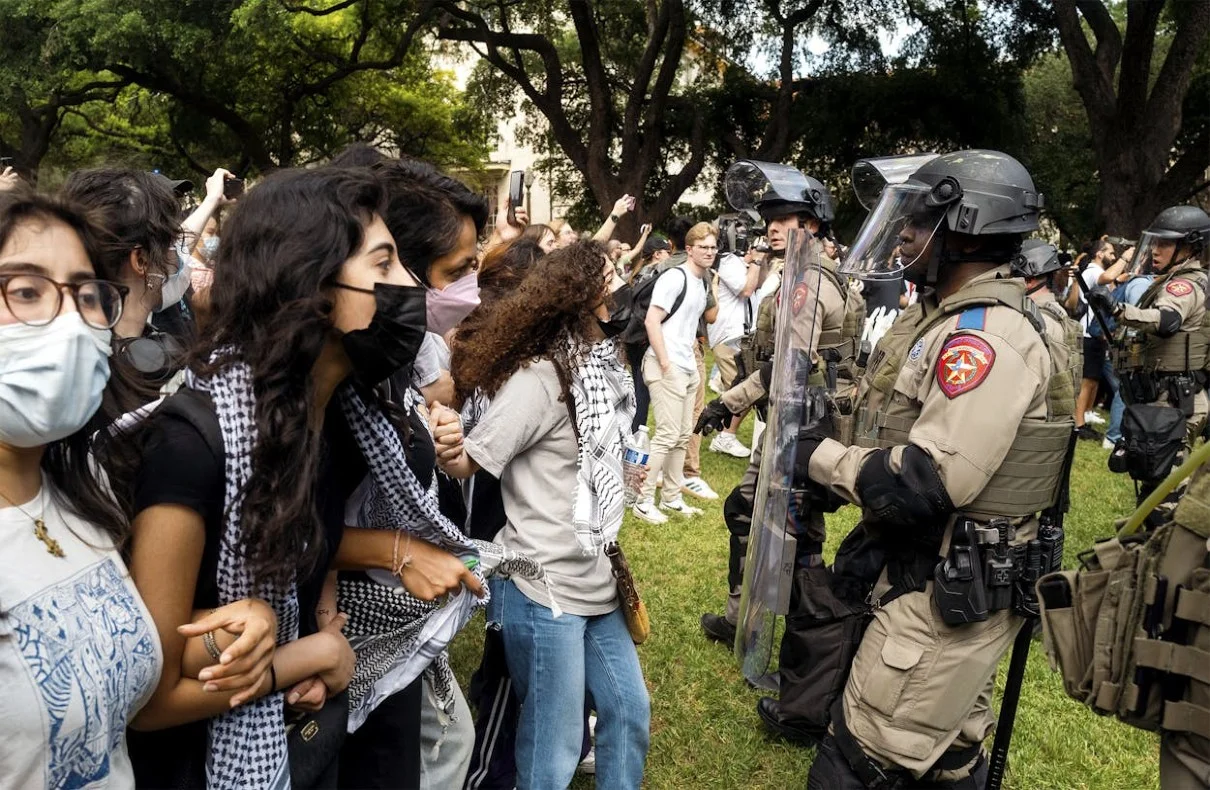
[1097, 313]
[1008, 706]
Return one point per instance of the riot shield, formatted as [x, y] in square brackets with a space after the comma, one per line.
[769, 567]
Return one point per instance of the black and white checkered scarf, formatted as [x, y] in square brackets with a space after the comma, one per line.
[603, 393]
[248, 744]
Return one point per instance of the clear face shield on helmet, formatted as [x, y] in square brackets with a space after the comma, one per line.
[1155, 252]
[747, 183]
[871, 176]
[897, 233]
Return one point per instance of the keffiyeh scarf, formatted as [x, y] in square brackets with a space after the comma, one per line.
[248, 744]
[395, 635]
[603, 393]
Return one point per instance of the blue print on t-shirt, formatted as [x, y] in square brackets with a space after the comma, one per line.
[92, 654]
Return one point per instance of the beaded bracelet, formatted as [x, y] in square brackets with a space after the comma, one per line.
[212, 646]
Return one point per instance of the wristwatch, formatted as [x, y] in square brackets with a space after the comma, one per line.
[614, 217]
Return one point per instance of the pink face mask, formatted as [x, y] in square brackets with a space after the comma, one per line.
[447, 307]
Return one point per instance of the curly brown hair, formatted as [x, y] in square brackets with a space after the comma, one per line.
[556, 299]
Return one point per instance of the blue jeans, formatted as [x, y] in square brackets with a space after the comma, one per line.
[553, 662]
[1117, 405]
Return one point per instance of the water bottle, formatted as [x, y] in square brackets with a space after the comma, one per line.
[634, 462]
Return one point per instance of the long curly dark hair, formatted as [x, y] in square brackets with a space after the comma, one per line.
[556, 299]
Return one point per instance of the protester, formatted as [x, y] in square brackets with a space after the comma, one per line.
[301, 256]
[1101, 268]
[561, 405]
[670, 370]
[201, 272]
[542, 235]
[436, 221]
[81, 654]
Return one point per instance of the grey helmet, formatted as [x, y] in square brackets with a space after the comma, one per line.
[1037, 258]
[1182, 224]
[984, 192]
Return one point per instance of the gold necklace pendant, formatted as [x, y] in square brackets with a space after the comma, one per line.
[52, 546]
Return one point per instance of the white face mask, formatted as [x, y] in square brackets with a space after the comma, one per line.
[51, 379]
[174, 287]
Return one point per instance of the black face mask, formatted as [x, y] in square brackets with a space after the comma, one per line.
[619, 313]
[392, 340]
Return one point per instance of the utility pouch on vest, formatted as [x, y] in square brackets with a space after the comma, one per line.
[1153, 437]
[959, 589]
[1139, 386]
[1181, 390]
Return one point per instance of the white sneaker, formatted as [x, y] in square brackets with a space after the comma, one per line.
[1094, 418]
[698, 488]
[716, 384]
[1108, 445]
[729, 444]
[647, 511]
[589, 764]
[680, 507]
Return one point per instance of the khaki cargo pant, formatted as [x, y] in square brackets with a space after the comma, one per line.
[919, 687]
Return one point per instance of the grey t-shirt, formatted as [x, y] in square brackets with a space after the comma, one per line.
[525, 439]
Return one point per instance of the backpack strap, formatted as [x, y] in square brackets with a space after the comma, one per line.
[680, 298]
[196, 408]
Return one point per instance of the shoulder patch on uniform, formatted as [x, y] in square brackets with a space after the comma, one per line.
[964, 363]
[798, 298]
[1179, 288]
[917, 350]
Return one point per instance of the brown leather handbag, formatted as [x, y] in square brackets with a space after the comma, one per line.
[628, 594]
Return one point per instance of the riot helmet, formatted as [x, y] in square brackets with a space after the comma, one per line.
[870, 176]
[1037, 258]
[775, 190]
[1174, 228]
[975, 193]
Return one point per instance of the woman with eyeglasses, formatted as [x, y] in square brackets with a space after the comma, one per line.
[79, 653]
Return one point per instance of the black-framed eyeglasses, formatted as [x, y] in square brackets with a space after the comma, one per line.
[36, 300]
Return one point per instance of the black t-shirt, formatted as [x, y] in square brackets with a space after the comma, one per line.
[180, 468]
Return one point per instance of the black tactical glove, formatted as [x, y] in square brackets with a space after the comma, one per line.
[808, 441]
[1102, 301]
[715, 417]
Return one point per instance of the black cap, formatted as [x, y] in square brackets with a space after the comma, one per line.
[179, 188]
[654, 244]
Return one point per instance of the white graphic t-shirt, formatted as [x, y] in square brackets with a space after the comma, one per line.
[79, 653]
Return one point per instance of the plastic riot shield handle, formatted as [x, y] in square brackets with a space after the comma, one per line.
[770, 559]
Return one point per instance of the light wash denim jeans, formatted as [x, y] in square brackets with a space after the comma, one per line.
[553, 663]
[1116, 406]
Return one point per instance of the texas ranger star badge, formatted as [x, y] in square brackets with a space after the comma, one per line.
[1179, 288]
[964, 363]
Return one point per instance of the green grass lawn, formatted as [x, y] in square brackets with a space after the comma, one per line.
[704, 728]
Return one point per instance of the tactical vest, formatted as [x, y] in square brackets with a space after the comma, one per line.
[1130, 631]
[1061, 397]
[1184, 352]
[1028, 479]
[840, 339]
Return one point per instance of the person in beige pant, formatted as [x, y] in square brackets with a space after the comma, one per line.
[672, 401]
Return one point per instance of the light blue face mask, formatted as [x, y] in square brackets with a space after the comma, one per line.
[176, 284]
[210, 247]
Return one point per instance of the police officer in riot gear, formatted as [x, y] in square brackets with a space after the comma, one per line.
[827, 324]
[958, 444]
[1037, 264]
[1163, 343]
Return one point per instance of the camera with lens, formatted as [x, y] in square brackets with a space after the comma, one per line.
[735, 234]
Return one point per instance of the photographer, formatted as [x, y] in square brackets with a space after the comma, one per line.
[740, 272]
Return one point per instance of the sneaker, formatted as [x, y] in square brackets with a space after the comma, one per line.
[679, 506]
[647, 511]
[1086, 432]
[729, 444]
[1108, 445]
[716, 384]
[589, 764]
[716, 627]
[698, 488]
[1094, 418]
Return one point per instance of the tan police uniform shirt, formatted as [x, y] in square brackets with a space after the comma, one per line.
[970, 408]
[811, 316]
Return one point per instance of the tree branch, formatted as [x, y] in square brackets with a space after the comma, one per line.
[302, 9]
[1173, 80]
[1092, 82]
[1141, 20]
